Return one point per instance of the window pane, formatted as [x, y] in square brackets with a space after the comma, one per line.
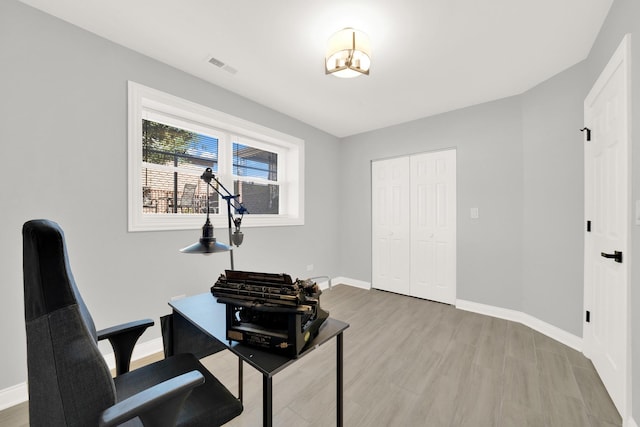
[171, 146]
[172, 192]
[165, 191]
[258, 198]
[254, 163]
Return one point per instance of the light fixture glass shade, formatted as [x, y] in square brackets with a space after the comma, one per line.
[348, 54]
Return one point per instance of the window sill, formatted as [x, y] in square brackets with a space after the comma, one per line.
[162, 222]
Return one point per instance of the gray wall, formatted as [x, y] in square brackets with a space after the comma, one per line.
[488, 139]
[520, 162]
[63, 104]
[624, 17]
[553, 169]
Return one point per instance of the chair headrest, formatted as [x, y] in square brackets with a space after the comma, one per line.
[48, 283]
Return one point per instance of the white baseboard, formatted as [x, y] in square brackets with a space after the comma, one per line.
[547, 329]
[566, 338]
[351, 282]
[13, 395]
[324, 282]
[19, 393]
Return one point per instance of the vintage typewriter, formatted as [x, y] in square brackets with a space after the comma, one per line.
[270, 310]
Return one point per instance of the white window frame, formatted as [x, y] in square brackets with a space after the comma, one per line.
[145, 101]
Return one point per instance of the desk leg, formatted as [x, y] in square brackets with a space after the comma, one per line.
[240, 379]
[339, 374]
[267, 401]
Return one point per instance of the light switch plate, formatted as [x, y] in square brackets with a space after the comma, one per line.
[474, 213]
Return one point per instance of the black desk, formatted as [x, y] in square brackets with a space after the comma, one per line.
[208, 316]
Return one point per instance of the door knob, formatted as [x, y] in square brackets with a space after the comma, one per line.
[616, 255]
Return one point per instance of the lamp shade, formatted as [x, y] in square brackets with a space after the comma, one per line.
[348, 54]
[207, 243]
[205, 247]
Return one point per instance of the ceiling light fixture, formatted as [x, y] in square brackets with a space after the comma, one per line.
[348, 54]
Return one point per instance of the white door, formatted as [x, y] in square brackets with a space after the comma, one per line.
[433, 226]
[390, 224]
[414, 225]
[606, 335]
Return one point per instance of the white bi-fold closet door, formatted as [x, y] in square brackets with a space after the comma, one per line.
[414, 225]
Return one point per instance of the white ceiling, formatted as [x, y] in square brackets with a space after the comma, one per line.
[428, 56]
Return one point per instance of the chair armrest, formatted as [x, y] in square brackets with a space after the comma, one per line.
[124, 328]
[157, 406]
[123, 338]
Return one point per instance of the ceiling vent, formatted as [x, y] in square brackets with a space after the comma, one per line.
[229, 69]
[216, 62]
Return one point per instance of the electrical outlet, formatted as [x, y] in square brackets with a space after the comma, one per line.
[310, 267]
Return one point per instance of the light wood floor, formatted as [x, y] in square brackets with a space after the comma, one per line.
[410, 362]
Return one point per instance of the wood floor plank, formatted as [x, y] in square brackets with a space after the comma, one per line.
[522, 384]
[416, 376]
[457, 360]
[577, 359]
[597, 401]
[441, 401]
[514, 414]
[543, 342]
[556, 374]
[563, 411]
[396, 410]
[480, 399]
[15, 416]
[469, 329]
[491, 346]
[599, 423]
[520, 342]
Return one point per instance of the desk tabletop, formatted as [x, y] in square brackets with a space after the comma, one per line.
[209, 316]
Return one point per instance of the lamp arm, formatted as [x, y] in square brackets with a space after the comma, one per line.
[207, 177]
[228, 196]
[228, 200]
[213, 177]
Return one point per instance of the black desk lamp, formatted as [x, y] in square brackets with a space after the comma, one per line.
[207, 243]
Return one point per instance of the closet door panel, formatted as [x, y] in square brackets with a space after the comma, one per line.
[433, 226]
[390, 223]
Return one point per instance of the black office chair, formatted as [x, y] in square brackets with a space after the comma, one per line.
[68, 379]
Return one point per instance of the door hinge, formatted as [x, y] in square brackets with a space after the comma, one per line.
[589, 226]
[588, 317]
[588, 132]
